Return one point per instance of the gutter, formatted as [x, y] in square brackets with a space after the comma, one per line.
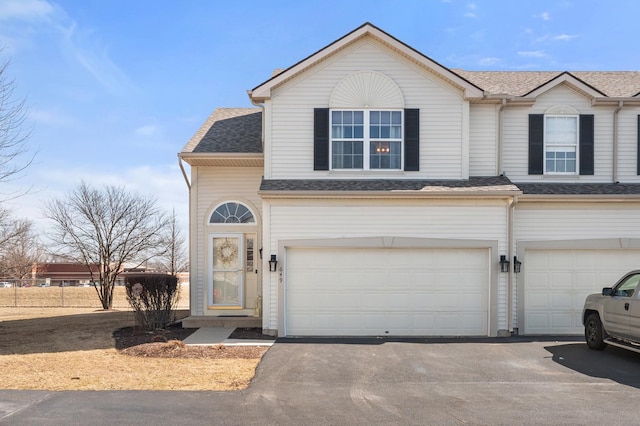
[500, 136]
[511, 285]
[615, 141]
[283, 194]
[184, 173]
[261, 106]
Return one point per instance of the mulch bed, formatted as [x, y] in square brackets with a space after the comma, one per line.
[168, 343]
[127, 337]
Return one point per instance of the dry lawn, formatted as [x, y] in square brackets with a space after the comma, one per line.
[73, 349]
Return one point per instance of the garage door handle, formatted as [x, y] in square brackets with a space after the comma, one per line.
[626, 306]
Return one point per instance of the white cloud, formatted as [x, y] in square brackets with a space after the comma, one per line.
[26, 10]
[148, 130]
[533, 54]
[565, 37]
[472, 7]
[163, 182]
[545, 16]
[93, 56]
[51, 117]
[489, 61]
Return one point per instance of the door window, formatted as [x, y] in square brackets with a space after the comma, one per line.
[227, 270]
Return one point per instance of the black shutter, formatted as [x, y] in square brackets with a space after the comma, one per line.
[321, 139]
[586, 144]
[536, 144]
[411, 140]
[638, 152]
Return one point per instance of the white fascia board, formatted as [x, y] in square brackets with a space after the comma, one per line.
[568, 79]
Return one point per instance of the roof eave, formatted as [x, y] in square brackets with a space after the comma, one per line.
[192, 158]
[576, 198]
[388, 194]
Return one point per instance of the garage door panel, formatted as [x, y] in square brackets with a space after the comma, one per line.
[558, 281]
[386, 292]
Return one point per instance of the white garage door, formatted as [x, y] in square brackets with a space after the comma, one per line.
[558, 281]
[386, 292]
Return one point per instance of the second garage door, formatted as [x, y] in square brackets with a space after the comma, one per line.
[386, 292]
[558, 281]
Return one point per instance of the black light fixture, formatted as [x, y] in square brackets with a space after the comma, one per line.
[273, 263]
[516, 265]
[504, 263]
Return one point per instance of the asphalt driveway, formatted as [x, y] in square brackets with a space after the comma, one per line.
[485, 381]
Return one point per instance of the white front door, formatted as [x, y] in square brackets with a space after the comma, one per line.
[226, 274]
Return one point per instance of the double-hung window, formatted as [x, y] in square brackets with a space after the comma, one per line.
[560, 144]
[366, 140]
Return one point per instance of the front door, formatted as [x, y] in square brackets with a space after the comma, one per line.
[227, 270]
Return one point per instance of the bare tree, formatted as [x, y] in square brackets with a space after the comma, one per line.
[13, 138]
[107, 227]
[175, 259]
[18, 258]
[11, 229]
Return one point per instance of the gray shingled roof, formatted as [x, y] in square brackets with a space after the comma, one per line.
[479, 184]
[519, 83]
[579, 188]
[473, 184]
[230, 130]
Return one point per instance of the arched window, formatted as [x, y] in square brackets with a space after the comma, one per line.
[232, 213]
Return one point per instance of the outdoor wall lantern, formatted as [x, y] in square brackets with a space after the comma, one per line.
[516, 265]
[273, 263]
[504, 263]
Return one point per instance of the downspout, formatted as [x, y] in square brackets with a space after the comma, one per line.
[500, 119]
[259, 302]
[615, 141]
[184, 174]
[512, 253]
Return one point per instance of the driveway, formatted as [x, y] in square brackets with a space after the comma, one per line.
[484, 381]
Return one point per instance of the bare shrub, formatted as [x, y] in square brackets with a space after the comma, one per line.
[154, 298]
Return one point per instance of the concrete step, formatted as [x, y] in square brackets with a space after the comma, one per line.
[221, 321]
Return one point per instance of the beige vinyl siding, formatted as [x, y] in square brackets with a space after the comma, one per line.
[516, 136]
[586, 221]
[292, 105]
[628, 145]
[483, 140]
[325, 219]
[212, 186]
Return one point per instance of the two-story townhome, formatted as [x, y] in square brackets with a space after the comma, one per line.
[375, 192]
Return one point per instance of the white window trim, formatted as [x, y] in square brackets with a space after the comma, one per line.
[253, 215]
[546, 146]
[366, 140]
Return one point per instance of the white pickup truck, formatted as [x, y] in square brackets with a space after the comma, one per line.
[613, 316]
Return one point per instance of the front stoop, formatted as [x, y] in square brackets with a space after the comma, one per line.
[225, 322]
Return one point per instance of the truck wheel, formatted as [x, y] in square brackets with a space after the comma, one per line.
[594, 333]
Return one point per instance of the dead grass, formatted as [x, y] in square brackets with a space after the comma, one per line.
[73, 349]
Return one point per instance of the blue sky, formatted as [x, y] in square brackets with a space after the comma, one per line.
[115, 88]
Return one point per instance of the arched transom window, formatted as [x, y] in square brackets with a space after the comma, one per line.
[232, 213]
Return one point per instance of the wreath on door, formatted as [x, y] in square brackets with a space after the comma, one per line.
[227, 252]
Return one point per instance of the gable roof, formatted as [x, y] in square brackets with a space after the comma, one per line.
[228, 130]
[263, 90]
[521, 83]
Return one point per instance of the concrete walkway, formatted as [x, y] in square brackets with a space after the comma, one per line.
[206, 336]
